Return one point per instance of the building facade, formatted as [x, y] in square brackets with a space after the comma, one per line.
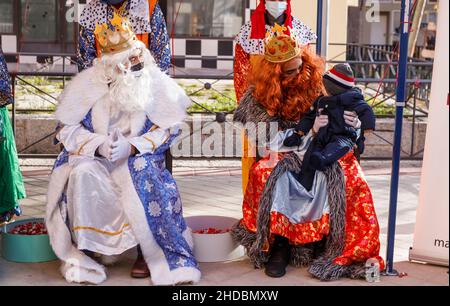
[37, 26]
[202, 31]
[377, 22]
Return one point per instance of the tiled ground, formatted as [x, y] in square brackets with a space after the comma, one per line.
[211, 191]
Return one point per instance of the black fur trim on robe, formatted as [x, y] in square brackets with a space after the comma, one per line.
[317, 256]
[251, 111]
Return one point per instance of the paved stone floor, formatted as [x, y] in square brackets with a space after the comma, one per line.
[217, 191]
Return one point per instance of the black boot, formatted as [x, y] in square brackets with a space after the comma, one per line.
[279, 258]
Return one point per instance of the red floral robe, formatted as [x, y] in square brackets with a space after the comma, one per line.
[362, 229]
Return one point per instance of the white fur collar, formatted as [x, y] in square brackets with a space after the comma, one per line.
[79, 97]
[165, 108]
[101, 118]
[169, 101]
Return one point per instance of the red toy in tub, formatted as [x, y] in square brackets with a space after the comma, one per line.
[212, 231]
[29, 229]
[212, 238]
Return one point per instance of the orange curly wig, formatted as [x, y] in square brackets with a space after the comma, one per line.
[290, 98]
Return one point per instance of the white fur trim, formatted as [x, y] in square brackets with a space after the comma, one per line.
[79, 97]
[109, 260]
[166, 108]
[100, 116]
[169, 102]
[76, 274]
[137, 123]
[187, 234]
[182, 276]
[77, 267]
[153, 254]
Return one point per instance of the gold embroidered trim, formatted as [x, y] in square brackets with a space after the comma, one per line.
[154, 127]
[82, 147]
[151, 141]
[101, 231]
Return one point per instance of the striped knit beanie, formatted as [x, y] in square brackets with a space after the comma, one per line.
[339, 79]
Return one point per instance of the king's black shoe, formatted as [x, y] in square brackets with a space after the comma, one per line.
[279, 258]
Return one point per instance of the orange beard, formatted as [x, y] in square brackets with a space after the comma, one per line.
[290, 98]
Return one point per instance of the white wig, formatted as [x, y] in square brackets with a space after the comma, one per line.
[130, 93]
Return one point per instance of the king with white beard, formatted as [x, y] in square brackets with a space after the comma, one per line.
[109, 190]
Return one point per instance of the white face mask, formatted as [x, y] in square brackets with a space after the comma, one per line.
[136, 74]
[276, 8]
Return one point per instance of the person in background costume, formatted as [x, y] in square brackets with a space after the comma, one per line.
[250, 46]
[147, 21]
[12, 188]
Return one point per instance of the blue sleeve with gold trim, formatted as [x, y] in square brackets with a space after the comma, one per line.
[87, 51]
[5, 89]
[159, 40]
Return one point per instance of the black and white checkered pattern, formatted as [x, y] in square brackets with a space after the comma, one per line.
[208, 53]
[250, 7]
[204, 53]
[188, 53]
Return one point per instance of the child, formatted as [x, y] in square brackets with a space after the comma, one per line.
[334, 141]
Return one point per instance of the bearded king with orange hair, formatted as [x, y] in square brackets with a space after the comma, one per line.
[250, 46]
[332, 228]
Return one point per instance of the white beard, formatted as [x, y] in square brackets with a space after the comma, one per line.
[129, 94]
[153, 95]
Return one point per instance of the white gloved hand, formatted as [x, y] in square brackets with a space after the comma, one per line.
[121, 148]
[351, 118]
[105, 149]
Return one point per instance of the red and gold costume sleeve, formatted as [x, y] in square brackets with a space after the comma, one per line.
[241, 70]
[242, 67]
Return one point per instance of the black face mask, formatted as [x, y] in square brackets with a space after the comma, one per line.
[114, 2]
[137, 67]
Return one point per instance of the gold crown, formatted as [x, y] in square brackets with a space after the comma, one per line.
[280, 47]
[117, 38]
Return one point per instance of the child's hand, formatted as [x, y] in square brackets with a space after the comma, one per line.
[321, 121]
[351, 118]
